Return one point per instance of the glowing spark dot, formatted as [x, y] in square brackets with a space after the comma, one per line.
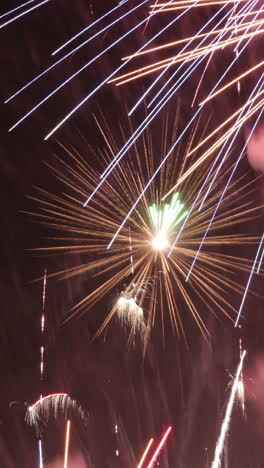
[160, 242]
[165, 219]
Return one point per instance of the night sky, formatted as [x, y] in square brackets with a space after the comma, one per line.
[185, 387]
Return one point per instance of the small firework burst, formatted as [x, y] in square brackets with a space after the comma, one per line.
[55, 404]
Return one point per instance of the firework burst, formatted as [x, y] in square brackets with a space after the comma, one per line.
[39, 413]
[137, 263]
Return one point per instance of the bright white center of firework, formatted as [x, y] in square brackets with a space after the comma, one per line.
[240, 388]
[122, 301]
[160, 242]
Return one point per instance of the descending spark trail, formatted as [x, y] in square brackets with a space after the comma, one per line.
[38, 413]
[23, 13]
[66, 118]
[89, 27]
[235, 80]
[113, 163]
[67, 442]
[145, 453]
[155, 174]
[261, 260]
[36, 78]
[224, 191]
[147, 121]
[225, 426]
[68, 80]
[17, 8]
[189, 41]
[240, 386]
[187, 56]
[158, 449]
[249, 280]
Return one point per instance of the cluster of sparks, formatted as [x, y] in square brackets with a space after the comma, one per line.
[39, 413]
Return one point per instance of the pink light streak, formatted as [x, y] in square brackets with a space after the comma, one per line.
[158, 449]
[42, 399]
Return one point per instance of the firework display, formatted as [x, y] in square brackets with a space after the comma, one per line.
[41, 410]
[139, 256]
[150, 222]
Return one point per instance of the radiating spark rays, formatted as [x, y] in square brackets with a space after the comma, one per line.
[225, 426]
[159, 448]
[89, 234]
[150, 180]
[36, 78]
[23, 13]
[67, 443]
[249, 281]
[65, 44]
[17, 8]
[145, 453]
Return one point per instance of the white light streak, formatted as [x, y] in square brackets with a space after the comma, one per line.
[69, 54]
[249, 281]
[67, 443]
[111, 75]
[23, 14]
[224, 429]
[17, 8]
[40, 454]
[89, 27]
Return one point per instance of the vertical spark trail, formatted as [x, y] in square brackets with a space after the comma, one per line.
[224, 429]
[240, 387]
[131, 254]
[42, 324]
[67, 443]
[158, 449]
[116, 439]
[42, 352]
[146, 451]
[40, 454]
[249, 280]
